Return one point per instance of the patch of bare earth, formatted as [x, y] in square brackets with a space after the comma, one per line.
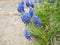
[11, 26]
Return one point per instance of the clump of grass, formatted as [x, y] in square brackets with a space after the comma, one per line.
[50, 16]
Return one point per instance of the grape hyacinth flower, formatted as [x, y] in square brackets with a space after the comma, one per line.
[30, 12]
[27, 34]
[39, 1]
[32, 4]
[20, 7]
[22, 1]
[27, 3]
[51, 1]
[36, 20]
[25, 18]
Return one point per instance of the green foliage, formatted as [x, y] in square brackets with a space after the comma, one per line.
[37, 32]
[58, 39]
[35, 43]
[50, 16]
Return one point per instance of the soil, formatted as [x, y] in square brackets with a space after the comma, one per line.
[11, 26]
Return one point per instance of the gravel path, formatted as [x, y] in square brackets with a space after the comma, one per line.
[11, 26]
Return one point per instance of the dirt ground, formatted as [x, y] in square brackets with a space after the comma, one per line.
[11, 26]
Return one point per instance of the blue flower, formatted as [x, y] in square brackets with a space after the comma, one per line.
[20, 7]
[36, 21]
[22, 1]
[25, 18]
[27, 3]
[39, 1]
[32, 4]
[27, 34]
[31, 12]
[51, 1]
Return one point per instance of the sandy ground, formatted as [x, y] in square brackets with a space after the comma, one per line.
[11, 26]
